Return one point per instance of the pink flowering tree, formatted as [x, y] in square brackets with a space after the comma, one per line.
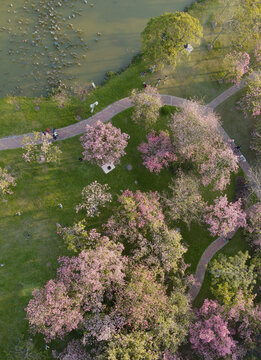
[224, 217]
[83, 284]
[158, 152]
[145, 305]
[236, 65]
[147, 104]
[40, 148]
[93, 274]
[52, 311]
[103, 143]
[251, 101]
[210, 336]
[220, 161]
[74, 351]
[6, 182]
[139, 221]
[191, 129]
[196, 137]
[94, 196]
[137, 213]
[245, 319]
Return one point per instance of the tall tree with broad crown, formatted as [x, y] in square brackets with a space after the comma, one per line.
[164, 37]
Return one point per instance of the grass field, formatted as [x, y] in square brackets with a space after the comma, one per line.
[29, 243]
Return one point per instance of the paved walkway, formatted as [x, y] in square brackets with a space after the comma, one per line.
[210, 251]
[14, 142]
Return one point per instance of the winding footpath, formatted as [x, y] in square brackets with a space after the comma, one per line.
[14, 142]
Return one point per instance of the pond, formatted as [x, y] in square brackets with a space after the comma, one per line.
[44, 42]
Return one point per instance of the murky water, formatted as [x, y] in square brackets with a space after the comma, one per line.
[73, 41]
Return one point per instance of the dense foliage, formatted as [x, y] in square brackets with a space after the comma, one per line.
[147, 104]
[158, 152]
[40, 148]
[196, 137]
[184, 201]
[103, 143]
[231, 275]
[6, 182]
[164, 37]
[224, 217]
[94, 196]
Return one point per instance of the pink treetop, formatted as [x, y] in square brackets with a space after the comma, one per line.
[103, 143]
[52, 311]
[209, 335]
[196, 137]
[93, 274]
[141, 209]
[216, 168]
[193, 128]
[82, 284]
[224, 217]
[237, 64]
[245, 318]
[137, 214]
[74, 351]
[158, 152]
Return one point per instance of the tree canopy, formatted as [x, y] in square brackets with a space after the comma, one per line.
[164, 37]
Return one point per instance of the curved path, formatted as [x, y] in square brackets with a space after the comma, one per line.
[14, 142]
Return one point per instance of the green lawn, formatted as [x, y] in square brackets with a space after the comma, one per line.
[237, 125]
[29, 243]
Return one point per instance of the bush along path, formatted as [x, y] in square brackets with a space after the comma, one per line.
[14, 142]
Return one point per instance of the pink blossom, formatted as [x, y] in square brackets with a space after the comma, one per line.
[158, 152]
[103, 143]
[224, 217]
[237, 64]
[209, 335]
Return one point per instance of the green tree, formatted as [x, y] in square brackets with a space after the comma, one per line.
[147, 104]
[40, 148]
[136, 345]
[232, 274]
[246, 22]
[164, 37]
[184, 202]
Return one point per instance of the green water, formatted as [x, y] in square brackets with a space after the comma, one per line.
[47, 41]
